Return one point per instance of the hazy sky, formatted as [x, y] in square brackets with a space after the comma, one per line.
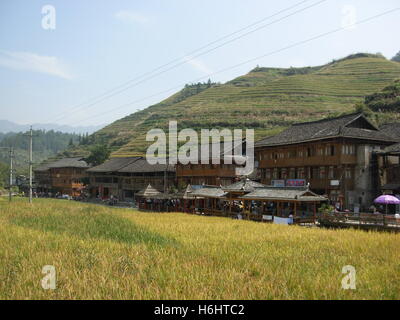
[52, 75]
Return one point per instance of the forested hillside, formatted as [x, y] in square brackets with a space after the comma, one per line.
[45, 144]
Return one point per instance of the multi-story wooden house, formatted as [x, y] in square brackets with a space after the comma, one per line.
[42, 178]
[222, 174]
[389, 170]
[123, 177]
[334, 156]
[63, 176]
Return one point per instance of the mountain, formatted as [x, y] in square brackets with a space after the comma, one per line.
[8, 126]
[266, 99]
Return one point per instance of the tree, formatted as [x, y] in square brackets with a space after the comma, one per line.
[98, 155]
[4, 175]
[362, 108]
[396, 57]
[71, 142]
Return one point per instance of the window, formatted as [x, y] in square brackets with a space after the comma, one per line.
[275, 174]
[300, 173]
[331, 173]
[310, 152]
[348, 173]
[322, 172]
[349, 149]
[315, 173]
[268, 173]
[292, 154]
[283, 174]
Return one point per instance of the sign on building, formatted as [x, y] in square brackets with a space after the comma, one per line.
[296, 183]
[278, 183]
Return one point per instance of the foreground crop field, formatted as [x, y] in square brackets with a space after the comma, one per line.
[103, 253]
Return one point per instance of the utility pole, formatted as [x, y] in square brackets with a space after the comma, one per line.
[30, 164]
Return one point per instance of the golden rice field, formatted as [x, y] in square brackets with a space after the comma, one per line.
[104, 253]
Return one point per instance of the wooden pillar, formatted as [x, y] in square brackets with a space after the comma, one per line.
[315, 211]
[295, 210]
[278, 209]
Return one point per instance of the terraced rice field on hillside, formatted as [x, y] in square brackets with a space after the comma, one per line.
[267, 100]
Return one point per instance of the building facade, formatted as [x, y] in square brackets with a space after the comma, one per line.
[334, 156]
[217, 172]
[389, 170]
[124, 177]
[65, 176]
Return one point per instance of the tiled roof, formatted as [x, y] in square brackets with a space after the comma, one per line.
[42, 167]
[150, 192]
[284, 194]
[209, 192]
[392, 130]
[245, 185]
[186, 194]
[393, 148]
[113, 164]
[348, 126]
[63, 163]
[142, 166]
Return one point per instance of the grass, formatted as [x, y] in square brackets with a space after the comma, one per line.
[264, 99]
[103, 253]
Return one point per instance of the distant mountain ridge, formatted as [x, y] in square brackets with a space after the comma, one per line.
[9, 126]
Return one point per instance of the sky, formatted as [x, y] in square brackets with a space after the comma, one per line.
[60, 60]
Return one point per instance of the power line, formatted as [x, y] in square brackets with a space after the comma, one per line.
[188, 57]
[248, 61]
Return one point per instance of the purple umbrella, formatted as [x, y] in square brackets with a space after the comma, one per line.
[387, 199]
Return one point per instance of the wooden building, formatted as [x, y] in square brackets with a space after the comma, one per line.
[250, 200]
[42, 178]
[104, 180]
[123, 177]
[333, 156]
[64, 176]
[389, 170]
[221, 174]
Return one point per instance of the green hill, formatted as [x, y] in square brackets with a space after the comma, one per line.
[266, 99]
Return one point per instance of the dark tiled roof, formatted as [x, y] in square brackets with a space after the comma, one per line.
[150, 193]
[69, 163]
[393, 148]
[284, 194]
[392, 130]
[114, 164]
[348, 126]
[42, 167]
[245, 185]
[142, 166]
[186, 194]
[209, 192]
